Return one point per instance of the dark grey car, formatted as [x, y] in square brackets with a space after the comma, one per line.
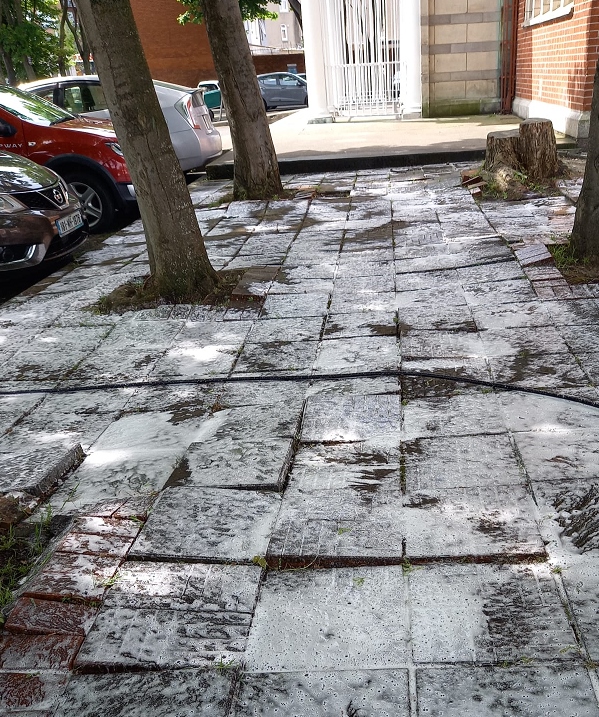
[283, 89]
[40, 217]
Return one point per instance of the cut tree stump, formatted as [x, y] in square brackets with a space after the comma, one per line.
[503, 148]
[538, 149]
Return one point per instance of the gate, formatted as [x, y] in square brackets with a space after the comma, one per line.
[361, 54]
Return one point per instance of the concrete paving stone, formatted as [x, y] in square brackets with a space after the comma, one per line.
[419, 380]
[447, 318]
[419, 250]
[499, 292]
[374, 323]
[487, 614]
[278, 243]
[559, 372]
[183, 401]
[69, 427]
[443, 262]
[85, 544]
[363, 269]
[124, 639]
[38, 652]
[350, 418]
[526, 412]
[143, 335]
[14, 407]
[508, 316]
[36, 468]
[417, 344]
[582, 587]
[308, 270]
[362, 303]
[42, 366]
[354, 386]
[106, 366]
[228, 462]
[533, 254]
[530, 691]
[499, 271]
[468, 413]
[30, 693]
[432, 298]
[295, 305]
[77, 577]
[423, 280]
[376, 693]
[186, 587]
[275, 356]
[358, 354]
[366, 284]
[225, 525]
[338, 619]
[581, 340]
[439, 463]
[523, 341]
[570, 511]
[185, 693]
[132, 458]
[301, 286]
[372, 465]
[83, 339]
[200, 361]
[134, 509]
[552, 290]
[589, 363]
[559, 455]
[49, 617]
[263, 393]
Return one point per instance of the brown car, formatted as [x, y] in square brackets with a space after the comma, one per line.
[40, 216]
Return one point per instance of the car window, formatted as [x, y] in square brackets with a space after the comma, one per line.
[84, 98]
[208, 87]
[47, 95]
[290, 81]
[31, 108]
[269, 80]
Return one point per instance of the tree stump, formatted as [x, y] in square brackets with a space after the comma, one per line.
[538, 150]
[503, 148]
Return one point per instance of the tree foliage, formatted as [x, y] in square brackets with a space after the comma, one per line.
[250, 10]
[29, 42]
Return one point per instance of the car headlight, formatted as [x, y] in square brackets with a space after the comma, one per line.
[116, 148]
[10, 205]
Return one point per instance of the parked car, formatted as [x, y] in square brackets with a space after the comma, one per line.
[212, 95]
[40, 217]
[194, 137]
[283, 89]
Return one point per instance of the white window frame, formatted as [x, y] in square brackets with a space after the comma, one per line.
[538, 11]
[284, 6]
[284, 34]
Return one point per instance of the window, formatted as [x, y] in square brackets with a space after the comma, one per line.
[284, 33]
[538, 11]
[284, 6]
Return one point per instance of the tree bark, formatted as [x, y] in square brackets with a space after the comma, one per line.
[178, 261]
[256, 170]
[502, 148]
[538, 150]
[585, 233]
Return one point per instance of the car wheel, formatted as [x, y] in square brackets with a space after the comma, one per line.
[265, 105]
[96, 200]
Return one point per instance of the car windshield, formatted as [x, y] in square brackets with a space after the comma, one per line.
[31, 108]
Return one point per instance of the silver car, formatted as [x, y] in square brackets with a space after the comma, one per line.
[194, 137]
[283, 89]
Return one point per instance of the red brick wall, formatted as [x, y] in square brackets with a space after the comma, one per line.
[175, 53]
[556, 60]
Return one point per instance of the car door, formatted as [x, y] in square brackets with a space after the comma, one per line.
[269, 88]
[292, 90]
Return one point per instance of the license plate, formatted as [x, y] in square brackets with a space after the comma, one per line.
[70, 223]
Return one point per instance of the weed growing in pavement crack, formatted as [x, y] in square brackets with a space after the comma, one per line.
[222, 664]
[260, 560]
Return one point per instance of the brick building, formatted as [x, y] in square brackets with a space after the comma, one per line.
[557, 51]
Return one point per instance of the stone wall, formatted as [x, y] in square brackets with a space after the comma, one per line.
[461, 57]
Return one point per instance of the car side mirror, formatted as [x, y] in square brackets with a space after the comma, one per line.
[7, 130]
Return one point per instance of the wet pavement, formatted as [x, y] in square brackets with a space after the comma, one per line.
[366, 487]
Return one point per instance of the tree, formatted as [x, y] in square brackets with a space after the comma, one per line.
[180, 268]
[29, 38]
[69, 17]
[584, 241]
[256, 170]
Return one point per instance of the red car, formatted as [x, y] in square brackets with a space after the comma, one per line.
[83, 151]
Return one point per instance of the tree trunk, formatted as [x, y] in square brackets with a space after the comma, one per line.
[11, 75]
[178, 261]
[62, 65]
[502, 148]
[256, 170]
[538, 150]
[585, 233]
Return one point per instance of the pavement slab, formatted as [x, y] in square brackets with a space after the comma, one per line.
[340, 619]
[220, 525]
[36, 468]
[532, 691]
[186, 693]
[373, 323]
[559, 455]
[372, 693]
[30, 694]
[275, 356]
[358, 354]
